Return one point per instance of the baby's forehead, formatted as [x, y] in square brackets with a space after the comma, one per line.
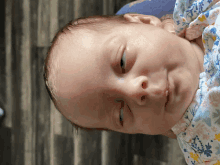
[83, 102]
[76, 73]
[81, 60]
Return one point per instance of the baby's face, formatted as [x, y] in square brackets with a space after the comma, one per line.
[129, 71]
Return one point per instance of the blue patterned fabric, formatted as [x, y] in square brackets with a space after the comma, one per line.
[198, 132]
[157, 8]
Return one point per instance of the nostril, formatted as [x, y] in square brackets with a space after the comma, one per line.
[144, 85]
[142, 98]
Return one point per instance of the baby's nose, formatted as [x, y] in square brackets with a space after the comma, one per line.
[137, 90]
[141, 92]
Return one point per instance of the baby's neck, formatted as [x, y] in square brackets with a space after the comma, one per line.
[199, 43]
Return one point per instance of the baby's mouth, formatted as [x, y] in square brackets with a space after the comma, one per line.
[167, 94]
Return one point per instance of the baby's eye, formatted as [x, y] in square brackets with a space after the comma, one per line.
[121, 116]
[123, 61]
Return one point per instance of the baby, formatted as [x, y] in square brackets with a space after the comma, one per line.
[127, 73]
[133, 73]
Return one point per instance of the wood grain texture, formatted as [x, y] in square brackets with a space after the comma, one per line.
[87, 148]
[17, 97]
[43, 23]
[55, 116]
[8, 63]
[34, 132]
[65, 9]
[110, 147]
[108, 7]
[43, 113]
[25, 87]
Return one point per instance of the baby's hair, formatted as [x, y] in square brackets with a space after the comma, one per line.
[93, 24]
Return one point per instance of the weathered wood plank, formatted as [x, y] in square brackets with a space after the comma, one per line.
[65, 9]
[5, 146]
[43, 23]
[8, 64]
[126, 150]
[2, 77]
[34, 42]
[34, 22]
[144, 145]
[108, 7]
[87, 148]
[120, 3]
[43, 131]
[34, 102]
[175, 154]
[54, 22]
[110, 147]
[170, 151]
[2, 55]
[77, 9]
[17, 97]
[87, 8]
[26, 82]
[156, 162]
[93, 7]
[63, 153]
[54, 119]
[43, 111]
[138, 160]
[2, 18]
[63, 144]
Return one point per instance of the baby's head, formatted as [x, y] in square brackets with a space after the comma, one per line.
[112, 73]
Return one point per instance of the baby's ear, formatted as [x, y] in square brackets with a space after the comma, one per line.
[132, 17]
[141, 18]
[168, 25]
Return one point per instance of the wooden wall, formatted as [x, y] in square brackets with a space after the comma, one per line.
[34, 132]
